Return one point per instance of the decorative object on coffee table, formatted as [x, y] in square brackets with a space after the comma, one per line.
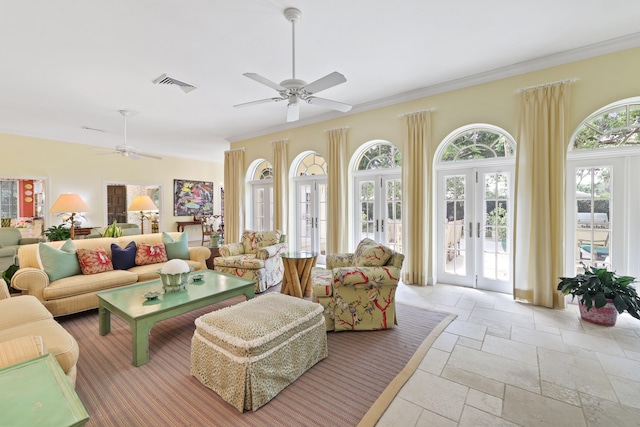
[174, 275]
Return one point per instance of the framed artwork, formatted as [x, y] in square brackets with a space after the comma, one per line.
[192, 198]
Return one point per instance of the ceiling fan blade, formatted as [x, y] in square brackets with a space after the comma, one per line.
[151, 156]
[327, 103]
[260, 101]
[293, 111]
[264, 81]
[330, 80]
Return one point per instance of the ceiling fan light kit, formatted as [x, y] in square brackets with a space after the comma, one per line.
[126, 150]
[294, 90]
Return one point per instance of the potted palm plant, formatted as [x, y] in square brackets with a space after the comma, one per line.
[602, 295]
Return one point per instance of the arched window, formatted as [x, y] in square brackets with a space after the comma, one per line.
[475, 171]
[261, 195]
[310, 200]
[603, 163]
[378, 194]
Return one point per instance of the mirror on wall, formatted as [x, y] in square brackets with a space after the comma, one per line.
[119, 196]
[22, 204]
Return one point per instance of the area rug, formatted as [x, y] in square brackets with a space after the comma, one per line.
[355, 384]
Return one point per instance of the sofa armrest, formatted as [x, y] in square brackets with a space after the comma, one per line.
[366, 277]
[271, 251]
[339, 260]
[200, 254]
[21, 349]
[231, 249]
[30, 240]
[31, 281]
[7, 252]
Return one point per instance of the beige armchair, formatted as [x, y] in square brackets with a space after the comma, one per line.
[357, 290]
[256, 257]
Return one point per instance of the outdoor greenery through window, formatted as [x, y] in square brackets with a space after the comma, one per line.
[380, 156]
[614, 127]
[477, 143]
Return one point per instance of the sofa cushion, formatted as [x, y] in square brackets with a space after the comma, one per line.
[150, 254]
[59, 263]
[240, 261]
[178, 249]
[94, 261]
[85, 284]
[21, 309]
[123, 258]
[371, 256]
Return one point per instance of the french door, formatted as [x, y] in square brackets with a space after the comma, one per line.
[262, 206]
[474, 227]
[311, 217]
[378, 210]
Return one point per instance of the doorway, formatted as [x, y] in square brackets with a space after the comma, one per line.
[116, 203]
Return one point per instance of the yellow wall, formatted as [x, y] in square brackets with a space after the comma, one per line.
[602, 80]
[75, 168]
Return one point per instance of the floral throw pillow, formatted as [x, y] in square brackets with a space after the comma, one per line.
[150, 254]
[371, 256]
[94, 261]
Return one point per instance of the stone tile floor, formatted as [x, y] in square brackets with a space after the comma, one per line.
[505, 363]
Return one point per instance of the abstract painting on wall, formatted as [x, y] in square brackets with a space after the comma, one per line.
[192, 197]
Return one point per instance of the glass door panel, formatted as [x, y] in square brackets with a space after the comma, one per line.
[379, 210]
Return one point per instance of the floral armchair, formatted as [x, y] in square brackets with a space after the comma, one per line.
[357, 290]
[255, 257]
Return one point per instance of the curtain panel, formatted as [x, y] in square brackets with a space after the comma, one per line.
[280, 185]
[416, 198]
[234, 195]
[540, 194]
[337, 220]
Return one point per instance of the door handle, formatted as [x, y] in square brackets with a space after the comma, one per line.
[316, 222]
[470, 229]
[377, 226]
[382, 225]
[478, 230]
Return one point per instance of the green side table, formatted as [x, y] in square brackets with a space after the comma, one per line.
[37, 393]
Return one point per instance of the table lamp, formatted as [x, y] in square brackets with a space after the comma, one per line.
[71, 204]
[141, 204]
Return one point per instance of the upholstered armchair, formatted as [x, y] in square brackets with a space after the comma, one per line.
[255, 257]
[357, 290]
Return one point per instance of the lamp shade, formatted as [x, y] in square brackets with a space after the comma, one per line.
[69, 203]
[142, 203]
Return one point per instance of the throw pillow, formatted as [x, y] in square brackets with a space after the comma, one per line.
[123, 258]
[371, 256]
[178, 249]
[59, 263]
[150, 254]
[94, 261]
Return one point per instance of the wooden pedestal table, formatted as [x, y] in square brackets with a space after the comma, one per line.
[297, 273]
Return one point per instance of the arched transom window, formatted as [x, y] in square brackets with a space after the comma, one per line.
[312, 164]
[477, 143]
[263, 170]
[380, 156]
[613, 127]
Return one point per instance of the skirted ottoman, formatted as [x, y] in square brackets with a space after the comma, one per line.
[249, 352]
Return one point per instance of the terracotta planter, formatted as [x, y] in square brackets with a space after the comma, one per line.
[605, 316]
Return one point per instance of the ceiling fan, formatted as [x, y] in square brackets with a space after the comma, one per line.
[294, 90]
[128, 150]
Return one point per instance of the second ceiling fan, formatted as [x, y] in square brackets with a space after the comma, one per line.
[295, 90]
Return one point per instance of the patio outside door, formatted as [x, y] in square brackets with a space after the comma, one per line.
[311, 217]
[379, 214]
[474, 220]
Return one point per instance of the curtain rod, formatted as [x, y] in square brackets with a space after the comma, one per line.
[427, 110]
[342, 127]
[571, 80]
[234, 149]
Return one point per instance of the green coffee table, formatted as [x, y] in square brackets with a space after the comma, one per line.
[37, 393]
[129, 304]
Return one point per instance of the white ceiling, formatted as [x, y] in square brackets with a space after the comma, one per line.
[67, 64]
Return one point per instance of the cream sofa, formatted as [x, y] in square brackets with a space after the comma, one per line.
[78, 293]
[28, 330]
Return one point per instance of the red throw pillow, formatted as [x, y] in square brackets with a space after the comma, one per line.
[94, 261]
[150, 254]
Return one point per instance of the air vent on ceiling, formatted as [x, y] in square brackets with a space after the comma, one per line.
[166, 80]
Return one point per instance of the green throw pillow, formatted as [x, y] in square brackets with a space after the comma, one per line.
[59, 263]
[178, 249]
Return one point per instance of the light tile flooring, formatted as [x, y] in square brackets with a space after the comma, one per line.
[505, 363]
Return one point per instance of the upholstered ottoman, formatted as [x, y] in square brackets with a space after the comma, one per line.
[249, 352]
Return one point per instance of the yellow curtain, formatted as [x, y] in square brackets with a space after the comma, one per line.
[233, 195]
[280, 185]
[416, 198]
[540, 185]
[337, 230]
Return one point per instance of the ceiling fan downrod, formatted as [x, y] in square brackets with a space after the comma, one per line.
[293, 15]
